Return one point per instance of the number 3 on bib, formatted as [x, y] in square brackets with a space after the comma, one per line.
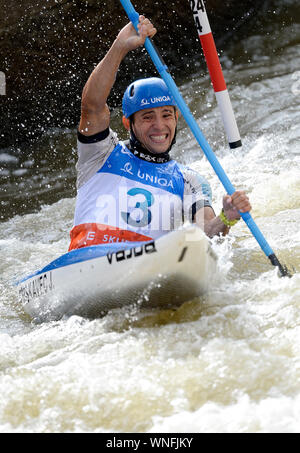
[143, 206]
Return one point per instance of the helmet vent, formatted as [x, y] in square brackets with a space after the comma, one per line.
[131, 92]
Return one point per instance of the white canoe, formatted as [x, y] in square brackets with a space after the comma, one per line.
[93, 280]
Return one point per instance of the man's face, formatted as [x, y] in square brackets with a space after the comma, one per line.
[155, 128]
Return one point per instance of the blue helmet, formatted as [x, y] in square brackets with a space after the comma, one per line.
[144, 94]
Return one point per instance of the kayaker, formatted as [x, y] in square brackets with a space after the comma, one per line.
[135, 191]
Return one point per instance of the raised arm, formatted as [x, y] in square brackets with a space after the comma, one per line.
[95, 115]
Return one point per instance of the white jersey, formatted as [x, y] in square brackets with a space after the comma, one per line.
[122, 197]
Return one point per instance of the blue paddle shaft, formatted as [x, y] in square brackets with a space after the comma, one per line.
[186, 113]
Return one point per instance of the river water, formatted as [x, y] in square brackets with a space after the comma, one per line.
[226, 362]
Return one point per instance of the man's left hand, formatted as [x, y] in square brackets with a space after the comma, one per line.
[235, 203]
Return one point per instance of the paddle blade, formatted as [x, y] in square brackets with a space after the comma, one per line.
[283, 269]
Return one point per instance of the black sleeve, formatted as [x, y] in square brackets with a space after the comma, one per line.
[93, 138]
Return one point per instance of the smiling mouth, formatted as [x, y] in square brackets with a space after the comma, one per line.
[159, 138]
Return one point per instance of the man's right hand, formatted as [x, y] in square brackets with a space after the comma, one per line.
[130, 40]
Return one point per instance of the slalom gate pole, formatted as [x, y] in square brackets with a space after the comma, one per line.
[193, 125]
[216, 73]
